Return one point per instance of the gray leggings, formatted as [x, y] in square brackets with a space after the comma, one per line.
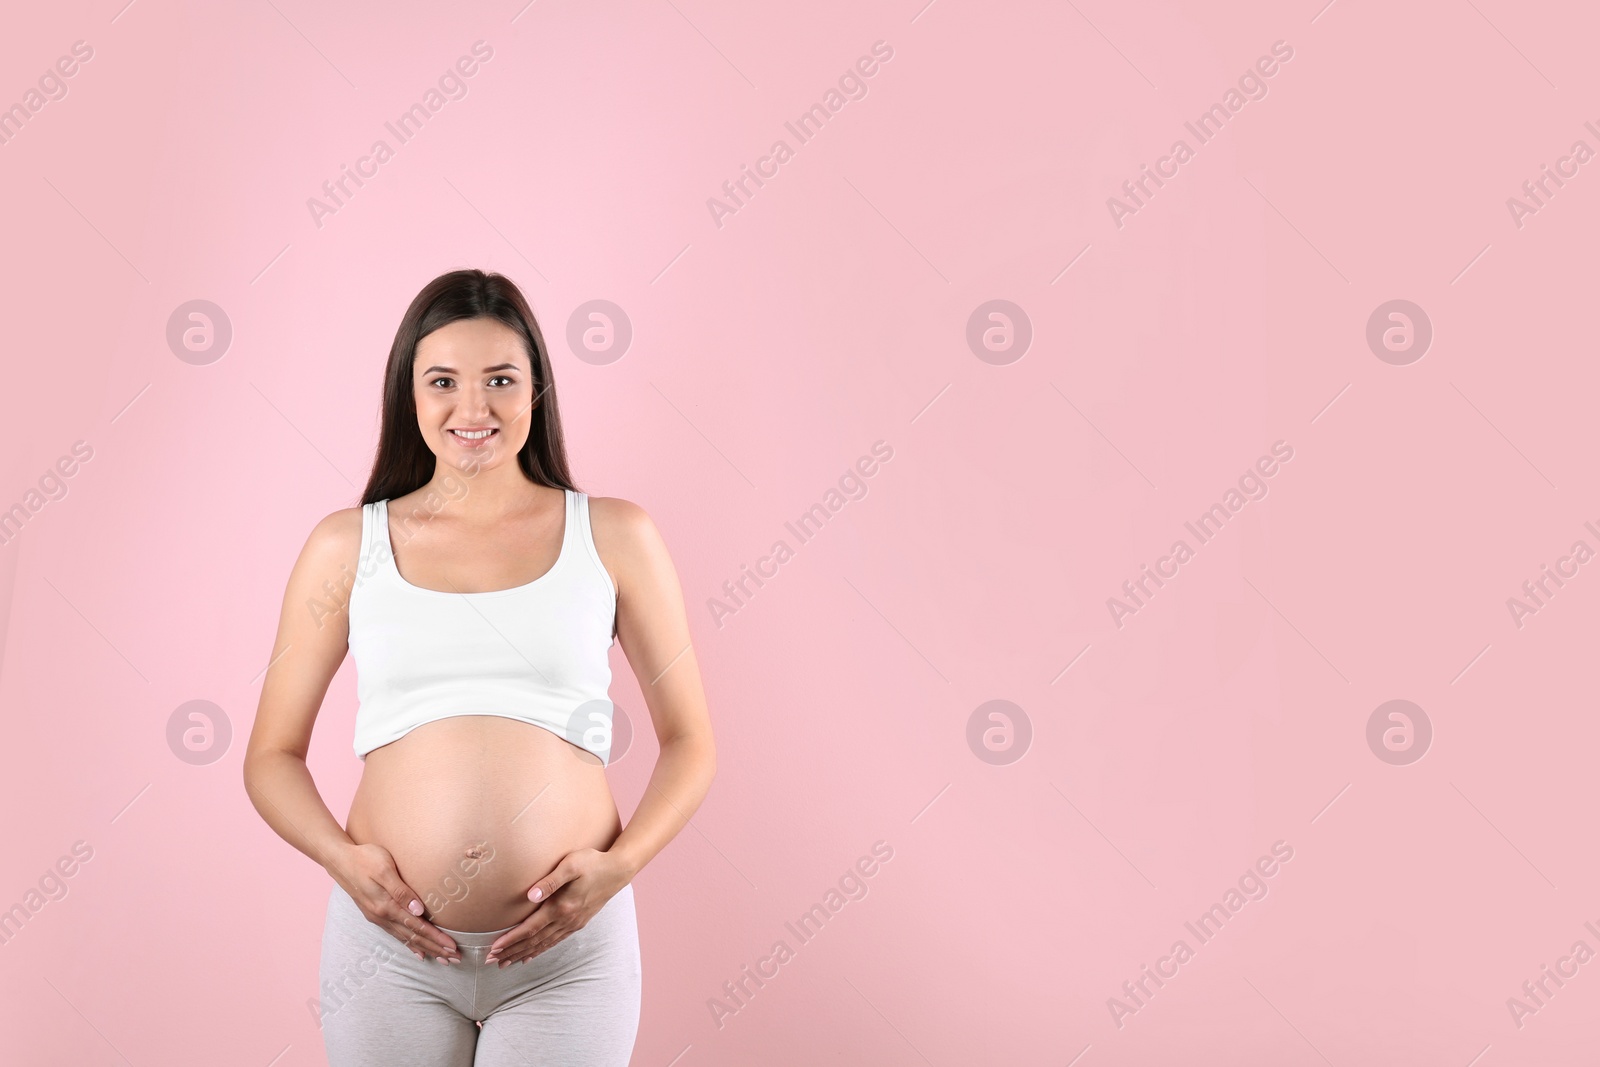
[573, 1005]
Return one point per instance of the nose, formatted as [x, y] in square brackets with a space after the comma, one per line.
[474, 401]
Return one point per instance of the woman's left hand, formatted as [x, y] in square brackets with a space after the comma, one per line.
[586, 879]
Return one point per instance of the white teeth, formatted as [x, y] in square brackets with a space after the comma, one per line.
[475, 436]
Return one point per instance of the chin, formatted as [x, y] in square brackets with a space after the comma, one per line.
[475, 464]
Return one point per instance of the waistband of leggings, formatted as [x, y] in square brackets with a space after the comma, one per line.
[485, 938]
[463, 938]
[476, 938]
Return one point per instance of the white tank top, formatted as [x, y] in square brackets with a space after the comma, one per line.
[538, 653]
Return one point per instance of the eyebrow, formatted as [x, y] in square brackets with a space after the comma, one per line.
[486, 370]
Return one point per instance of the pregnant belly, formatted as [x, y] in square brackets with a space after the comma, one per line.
[475, 809]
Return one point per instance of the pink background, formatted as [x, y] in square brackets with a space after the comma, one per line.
[768, 354]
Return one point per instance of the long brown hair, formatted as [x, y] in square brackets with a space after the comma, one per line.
[404, 462]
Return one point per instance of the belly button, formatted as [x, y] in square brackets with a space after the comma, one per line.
[475, 852]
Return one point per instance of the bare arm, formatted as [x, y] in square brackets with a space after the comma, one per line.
[312, 640]
[653, 629]
[313, 631]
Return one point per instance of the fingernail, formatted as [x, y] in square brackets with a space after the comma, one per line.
[416, 907]
[535, 893]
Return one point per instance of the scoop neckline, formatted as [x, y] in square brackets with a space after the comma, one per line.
[561, 556]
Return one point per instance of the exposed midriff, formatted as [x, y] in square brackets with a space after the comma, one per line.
[476, 808]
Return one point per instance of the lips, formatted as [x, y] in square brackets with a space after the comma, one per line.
[473, 437]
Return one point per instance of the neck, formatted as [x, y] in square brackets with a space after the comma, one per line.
[481, 496]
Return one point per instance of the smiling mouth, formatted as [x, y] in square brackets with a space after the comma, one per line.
[472, 437]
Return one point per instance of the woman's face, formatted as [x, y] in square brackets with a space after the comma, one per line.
[474, 392]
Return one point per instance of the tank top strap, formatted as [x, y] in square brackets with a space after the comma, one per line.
[584, 528]
[370, 515]
[569, 528]
[366, 532]
[376, 567]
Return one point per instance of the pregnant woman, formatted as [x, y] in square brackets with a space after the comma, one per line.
[482, 910]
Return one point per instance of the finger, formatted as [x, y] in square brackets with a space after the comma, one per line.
[550, 942]
[422, 949]
[435, 936]
[526, 950]
[547, 885]
[420, 934]
[403, 897]
[508, 951]
[518, 937]
[521, 955]
[404, 936]
[411, 906]
[520, 940]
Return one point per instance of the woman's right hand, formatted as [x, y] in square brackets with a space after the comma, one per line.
[368, 873]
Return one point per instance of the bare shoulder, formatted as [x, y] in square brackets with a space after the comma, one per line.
[624, 534]
[336, 535]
